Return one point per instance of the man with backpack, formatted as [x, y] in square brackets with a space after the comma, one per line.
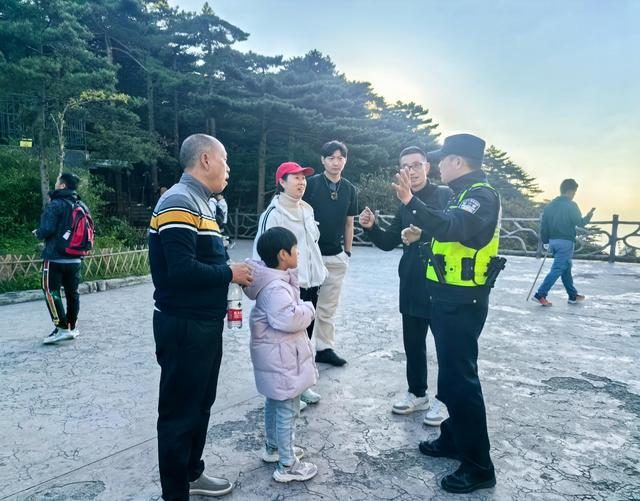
[67, 230]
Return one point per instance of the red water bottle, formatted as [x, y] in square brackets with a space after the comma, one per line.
[234, 307]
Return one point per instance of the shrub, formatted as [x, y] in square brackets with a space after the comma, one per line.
[375, 191]
[20, 200]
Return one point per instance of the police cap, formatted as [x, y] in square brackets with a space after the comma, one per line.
[464, 145]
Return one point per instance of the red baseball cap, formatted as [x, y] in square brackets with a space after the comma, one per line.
[292, 168]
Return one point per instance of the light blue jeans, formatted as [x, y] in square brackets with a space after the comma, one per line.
[280, 427]
[562, 253]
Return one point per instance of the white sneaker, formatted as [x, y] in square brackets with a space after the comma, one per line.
[299, 471]
[303, 405]
[410, 404]
[436, 414]
[58, 334]
[271, 455]
[310, 397]
[74, 332]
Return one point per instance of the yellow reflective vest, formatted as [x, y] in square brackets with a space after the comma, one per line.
[461, 265]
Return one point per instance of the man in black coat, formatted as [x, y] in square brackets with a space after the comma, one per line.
[414, 298]
[60, 270]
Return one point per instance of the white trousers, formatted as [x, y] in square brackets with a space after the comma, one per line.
[324, 330]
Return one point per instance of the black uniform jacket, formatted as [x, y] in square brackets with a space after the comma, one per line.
[471, 221]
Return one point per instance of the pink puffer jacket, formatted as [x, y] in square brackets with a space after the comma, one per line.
[281, 352]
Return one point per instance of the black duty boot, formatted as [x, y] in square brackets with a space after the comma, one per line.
[468, 479]
[436, 449]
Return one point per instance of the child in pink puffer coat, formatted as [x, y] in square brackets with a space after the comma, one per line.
[281, 352]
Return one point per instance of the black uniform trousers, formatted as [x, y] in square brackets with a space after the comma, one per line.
[414, 336]
[310, 294]
[456, 329]
[189, 352]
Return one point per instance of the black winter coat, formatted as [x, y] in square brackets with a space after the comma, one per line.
[50, 221]
[414, 297]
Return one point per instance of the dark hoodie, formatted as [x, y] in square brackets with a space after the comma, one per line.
[51, 218]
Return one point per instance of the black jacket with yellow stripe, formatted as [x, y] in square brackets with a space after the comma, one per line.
[186, 254]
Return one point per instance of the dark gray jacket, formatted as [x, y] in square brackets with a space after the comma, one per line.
[559, 220]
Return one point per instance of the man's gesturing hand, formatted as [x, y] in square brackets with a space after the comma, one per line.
[411, 234]
[242, 273]
[367, 218]
[403, 186]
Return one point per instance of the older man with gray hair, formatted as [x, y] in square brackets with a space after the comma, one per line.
[191, 278]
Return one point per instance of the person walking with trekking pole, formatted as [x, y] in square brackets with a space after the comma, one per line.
[558, 231]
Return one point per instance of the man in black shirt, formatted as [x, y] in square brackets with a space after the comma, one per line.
[335, 203]
[414, 298]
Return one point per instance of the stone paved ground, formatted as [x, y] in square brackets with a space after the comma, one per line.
[562, 387]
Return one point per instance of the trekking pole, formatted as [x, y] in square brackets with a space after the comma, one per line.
[538, 274]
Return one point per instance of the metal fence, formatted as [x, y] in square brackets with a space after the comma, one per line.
[612, 240]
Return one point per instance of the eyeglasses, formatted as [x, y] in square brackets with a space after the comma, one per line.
[415, 166]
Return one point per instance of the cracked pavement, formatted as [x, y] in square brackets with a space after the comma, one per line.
[561, 385]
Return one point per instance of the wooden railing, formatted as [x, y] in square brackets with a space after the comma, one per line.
[612, 240]
[22, 272]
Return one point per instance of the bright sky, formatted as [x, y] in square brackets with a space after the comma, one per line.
[555, 84]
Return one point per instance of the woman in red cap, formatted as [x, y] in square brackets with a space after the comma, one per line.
[288, 210]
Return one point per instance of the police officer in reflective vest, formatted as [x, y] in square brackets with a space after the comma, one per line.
[462, 260]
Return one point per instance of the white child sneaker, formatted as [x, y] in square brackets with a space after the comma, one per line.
[298, 471]
[310, 397]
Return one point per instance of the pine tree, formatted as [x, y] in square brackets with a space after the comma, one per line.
[517, 189]
[46, 53]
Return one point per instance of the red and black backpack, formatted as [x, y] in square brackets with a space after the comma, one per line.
[75, 233]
